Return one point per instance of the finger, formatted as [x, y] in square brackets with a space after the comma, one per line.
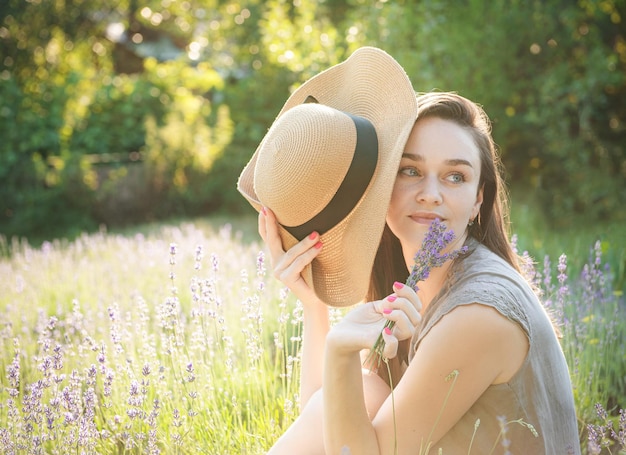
[290, 266]
[410, 295]
[391, 344]
[261, 224]
[403, 327]
[403, 306]
[272, 237]
[275, 245]
[310, 244]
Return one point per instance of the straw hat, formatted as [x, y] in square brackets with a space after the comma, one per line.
[328, 164]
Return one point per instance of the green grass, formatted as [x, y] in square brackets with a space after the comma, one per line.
[123, 343]
[539, 238]
[134, 324]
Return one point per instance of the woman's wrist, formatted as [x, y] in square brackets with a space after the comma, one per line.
[341, 345]
[315, 310]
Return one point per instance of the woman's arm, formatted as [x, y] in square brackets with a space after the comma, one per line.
[315, 328]
[288, 267]
[305, 435]
[469, 349]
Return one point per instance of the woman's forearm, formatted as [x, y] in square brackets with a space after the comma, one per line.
[346, 421]
[315, 328]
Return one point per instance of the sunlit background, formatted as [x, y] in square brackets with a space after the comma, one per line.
[137, 314]
[122, 112]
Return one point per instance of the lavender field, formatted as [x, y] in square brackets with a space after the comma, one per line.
[179, 341]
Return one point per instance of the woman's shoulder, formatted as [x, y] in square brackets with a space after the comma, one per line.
[480, 266]
[482, 277]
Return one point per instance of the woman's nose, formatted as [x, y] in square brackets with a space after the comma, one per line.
[429, 191]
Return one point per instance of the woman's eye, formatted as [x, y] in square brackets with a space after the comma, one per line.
[456, 178]
[409, 171]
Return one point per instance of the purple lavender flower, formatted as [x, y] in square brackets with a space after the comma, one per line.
[199, 257]
[594, 444]
[427, 257]
[215, 262]
[260, 270]
[603, 434]
[547, 276]
[621, 436]
[13, 374]
[173, 251]
[108, 382]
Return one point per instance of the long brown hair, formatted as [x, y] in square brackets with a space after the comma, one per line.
[491, 227]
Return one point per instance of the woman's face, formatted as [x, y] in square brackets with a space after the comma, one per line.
[438, 178]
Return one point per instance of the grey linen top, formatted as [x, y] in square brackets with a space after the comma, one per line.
[540, 393]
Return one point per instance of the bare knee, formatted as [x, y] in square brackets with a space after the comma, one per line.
[305, 435]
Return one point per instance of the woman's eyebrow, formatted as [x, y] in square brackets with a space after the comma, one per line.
[413, 157]
[458, 162]
[450, 162]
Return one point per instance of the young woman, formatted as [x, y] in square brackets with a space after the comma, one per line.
[484, 371]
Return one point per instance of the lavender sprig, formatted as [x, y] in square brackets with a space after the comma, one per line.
[427, 257]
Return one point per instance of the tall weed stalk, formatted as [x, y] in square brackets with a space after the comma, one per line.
[178, 341]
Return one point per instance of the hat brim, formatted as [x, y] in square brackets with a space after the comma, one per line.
[370, 84]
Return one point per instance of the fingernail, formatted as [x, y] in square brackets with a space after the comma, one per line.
[398, 285]
[318, 245]
[387, 310]
[313, 235]
[387, 330]
[391, 298]
[263, 211]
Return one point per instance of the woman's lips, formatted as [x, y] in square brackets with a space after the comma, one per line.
[426, 218]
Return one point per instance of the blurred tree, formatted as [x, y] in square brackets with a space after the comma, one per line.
[45, 47]
[193, 85]
[65, 100]
[551, 75]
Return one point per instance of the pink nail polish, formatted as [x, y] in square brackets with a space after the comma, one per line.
[318, 245]
[263, 211]
[391, 298]
[398, 285]
[312, 235]
[387, 310]
[387, 330]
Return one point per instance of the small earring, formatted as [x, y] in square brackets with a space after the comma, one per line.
[471, 223]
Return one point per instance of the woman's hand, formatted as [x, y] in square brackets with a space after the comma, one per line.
[360, 328]
[288, 265]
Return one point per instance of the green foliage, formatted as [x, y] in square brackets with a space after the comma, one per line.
[36, 190]
[537, 238]
[114, 120]
[307, 23]
[181, 153]
[551, 75]
[88, 122]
